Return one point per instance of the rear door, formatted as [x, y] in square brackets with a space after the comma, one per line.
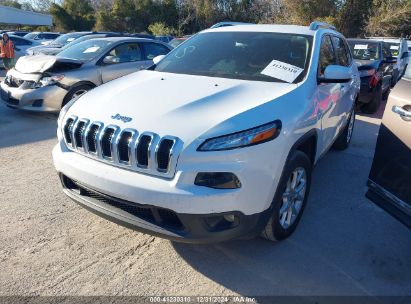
[129, 59]
[390, 177]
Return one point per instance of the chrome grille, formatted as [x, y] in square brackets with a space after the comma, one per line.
[146, 152]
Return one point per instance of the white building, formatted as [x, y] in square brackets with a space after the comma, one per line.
[11, 15]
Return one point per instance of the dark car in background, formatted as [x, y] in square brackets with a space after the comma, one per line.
[375, 66]
[390, 177]
[18, 33]
[55, 51]
[58, 43]
[42, 37]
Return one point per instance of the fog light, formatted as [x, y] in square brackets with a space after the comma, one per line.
[217, 180]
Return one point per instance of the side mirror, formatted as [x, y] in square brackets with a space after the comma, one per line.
[157, 59]
[336, 74]
[405, 55]
[111, 60]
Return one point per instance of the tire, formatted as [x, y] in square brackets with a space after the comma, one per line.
[374, 104]
[282, 223]
[75, 92]
[344, 139]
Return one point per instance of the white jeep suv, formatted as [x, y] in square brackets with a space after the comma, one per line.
[218, 139]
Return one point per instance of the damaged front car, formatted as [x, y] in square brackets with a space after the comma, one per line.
[46, 83]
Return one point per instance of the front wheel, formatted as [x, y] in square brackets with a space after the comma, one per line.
[290, 198]
[76, 92]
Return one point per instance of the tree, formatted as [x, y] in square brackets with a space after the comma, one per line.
[353, 17]
[390, 18]
[304, 12]
[160, 29]
[11, 3]
[73, 15]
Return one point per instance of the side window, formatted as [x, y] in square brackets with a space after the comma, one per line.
[40, 36]
[50, 36]
[128, 52]
[341, 52]
[18, 41]
[327, 55]
[154, 49]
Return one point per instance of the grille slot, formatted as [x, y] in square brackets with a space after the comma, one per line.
[78, 134]
[67, 130]
[143, 150]
[106, 142]
[147, 153]
[123, 146]
[164, 154]
[91, 138]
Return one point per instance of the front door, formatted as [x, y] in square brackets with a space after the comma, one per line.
[327, 95]
[390, 177]
[124, 59]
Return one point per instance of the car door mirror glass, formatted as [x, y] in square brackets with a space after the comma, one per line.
[111, 60]
[157, 59]
[405, 55]
[336, 74]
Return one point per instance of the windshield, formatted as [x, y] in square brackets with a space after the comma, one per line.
[394, 48]
[31, 35]
[66, 38]
[85, 51]
[259, 56]
[364, 50]
[81, 39]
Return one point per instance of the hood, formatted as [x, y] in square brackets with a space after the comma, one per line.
[366, 64]
[42, 63]
[179, 105]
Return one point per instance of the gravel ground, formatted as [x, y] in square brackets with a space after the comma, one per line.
[50, 246]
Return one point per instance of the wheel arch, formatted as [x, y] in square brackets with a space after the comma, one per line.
[77, 84]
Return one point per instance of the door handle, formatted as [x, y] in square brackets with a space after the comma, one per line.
[406, 115]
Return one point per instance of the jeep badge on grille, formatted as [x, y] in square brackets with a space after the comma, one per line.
[124, 119]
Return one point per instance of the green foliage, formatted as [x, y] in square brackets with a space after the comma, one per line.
[390, 18]
[75, 15]
[160, 29]
[352, 17]
[11, 3]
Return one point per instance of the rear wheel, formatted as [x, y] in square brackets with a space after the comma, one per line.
[290, 198]
[344, 139]
[374, 104]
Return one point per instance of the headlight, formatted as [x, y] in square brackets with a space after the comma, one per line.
[250, 137]
[49, 80]
[366, 73]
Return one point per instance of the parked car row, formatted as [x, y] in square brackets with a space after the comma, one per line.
[381, 63]
[183, 149]
[48, 82]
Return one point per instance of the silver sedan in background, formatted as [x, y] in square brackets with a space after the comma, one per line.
[46, 83]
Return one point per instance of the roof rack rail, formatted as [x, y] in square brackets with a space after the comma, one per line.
[317, 25]
[382, 37]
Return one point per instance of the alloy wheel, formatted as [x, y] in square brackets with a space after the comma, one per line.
[293, 197]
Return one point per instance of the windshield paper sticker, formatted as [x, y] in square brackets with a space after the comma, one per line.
[394, 47]
[282, 71]
[360, 46]
[91, 49]
[71, 39]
